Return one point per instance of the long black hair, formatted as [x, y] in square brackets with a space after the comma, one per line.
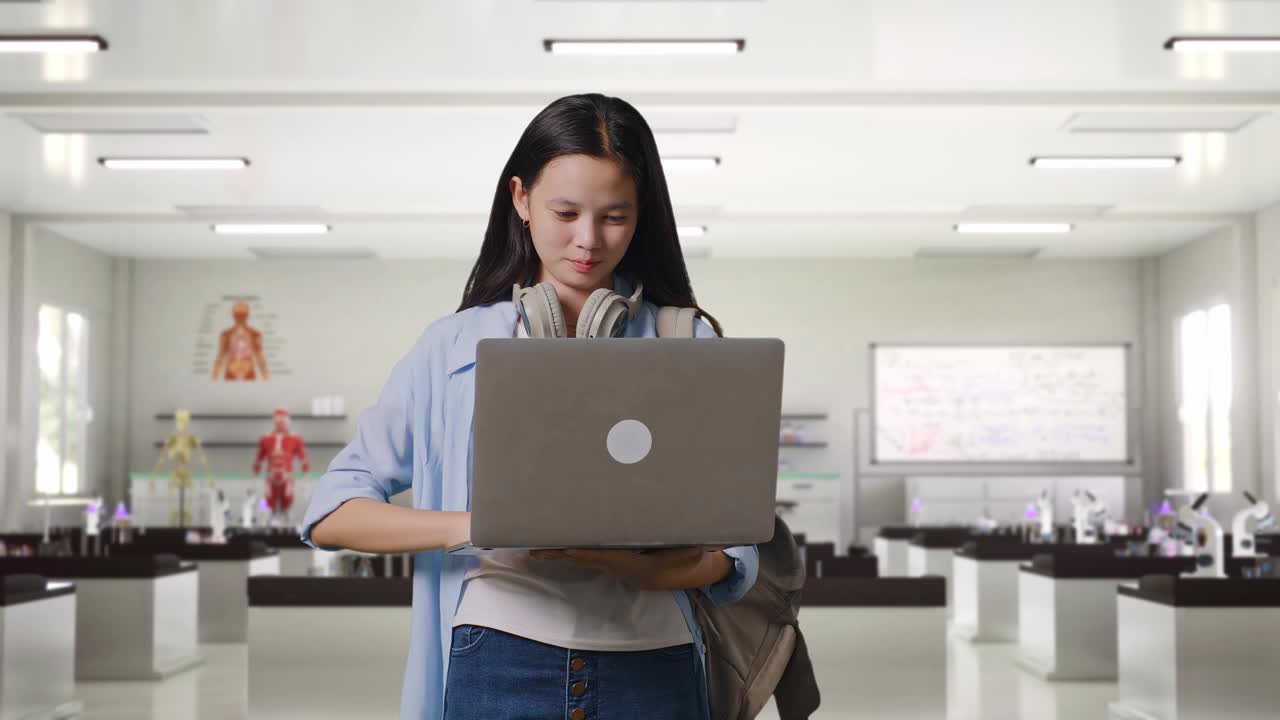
[602, 127]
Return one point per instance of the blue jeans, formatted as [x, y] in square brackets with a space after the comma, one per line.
[497, 676]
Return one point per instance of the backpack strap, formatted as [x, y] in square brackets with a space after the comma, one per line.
[676, 322]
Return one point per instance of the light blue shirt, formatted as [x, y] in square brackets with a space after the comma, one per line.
[419, 436]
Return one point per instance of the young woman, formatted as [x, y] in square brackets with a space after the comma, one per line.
[582, 205]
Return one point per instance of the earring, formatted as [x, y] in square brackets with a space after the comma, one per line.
[525, 224]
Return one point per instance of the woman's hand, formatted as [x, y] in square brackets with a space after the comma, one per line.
[672, 569]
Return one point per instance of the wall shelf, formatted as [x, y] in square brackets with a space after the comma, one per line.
[250, 416]
[803, 444]
[804, 416]
[808, 476]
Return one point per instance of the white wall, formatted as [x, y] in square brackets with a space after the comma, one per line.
[1267, 234]
[343, 324]
[50, 269]
[6, 345]
[346, 323]
[829, 311]
[1217, 268]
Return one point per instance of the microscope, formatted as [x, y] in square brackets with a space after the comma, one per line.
[1044, 512]
[1242, 539]
[1088, 513]
[1204, 534]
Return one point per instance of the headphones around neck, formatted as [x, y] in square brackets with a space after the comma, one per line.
[604, 315]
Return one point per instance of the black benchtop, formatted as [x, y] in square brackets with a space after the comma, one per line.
[144, 566]
[929, 591]
[251, 550]
[1206, 592]
[282, 541]
[941, 538]
[25, 588]
[1087, 567]
[1002, 548]
[275, 591]
[906, 532]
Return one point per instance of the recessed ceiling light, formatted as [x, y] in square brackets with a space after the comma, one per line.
[325, 253]
[113, 123]
[691, 163]
[271, 228]
[174, 163]
[52, 43]
[1153, 162]
[644, 47]
[1021, 228]
[975, 252]
[691, 231]
[1225, 43]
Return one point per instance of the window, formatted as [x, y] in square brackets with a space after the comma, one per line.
[1205, 399]
[62, 348]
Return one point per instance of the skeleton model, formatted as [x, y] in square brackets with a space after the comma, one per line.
[179, 448]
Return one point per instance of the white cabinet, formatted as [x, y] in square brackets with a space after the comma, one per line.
[815, 512]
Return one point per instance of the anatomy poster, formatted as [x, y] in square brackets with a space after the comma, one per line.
[238, 341]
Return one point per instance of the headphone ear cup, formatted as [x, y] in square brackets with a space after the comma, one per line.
[552, 306]
[599, 317]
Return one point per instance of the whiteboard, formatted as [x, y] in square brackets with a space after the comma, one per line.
[1000, 404]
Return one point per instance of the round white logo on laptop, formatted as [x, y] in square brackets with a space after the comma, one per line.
[629, 442]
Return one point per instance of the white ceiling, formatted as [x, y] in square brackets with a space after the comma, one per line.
[862, 127]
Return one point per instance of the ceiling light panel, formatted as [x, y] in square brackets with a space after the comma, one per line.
[1150, 162]
[644, 47]
[271, 228]
[1160, 122]
[52, 44]
[174, 163]
[74, 123]
[1021, 228]
[1224, 43]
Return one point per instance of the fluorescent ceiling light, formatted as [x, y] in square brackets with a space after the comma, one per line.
[691, 231]
[691, 163]
[1021, 228]
[174, 163]
[644, 47]
[1154, 162]
[271, 228]
[1225, 43]
[52, 43]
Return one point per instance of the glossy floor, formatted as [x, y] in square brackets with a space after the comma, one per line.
[983, 683]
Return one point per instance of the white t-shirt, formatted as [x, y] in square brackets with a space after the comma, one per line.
[560, 603]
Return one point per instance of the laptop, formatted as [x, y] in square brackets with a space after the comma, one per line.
[641, 443]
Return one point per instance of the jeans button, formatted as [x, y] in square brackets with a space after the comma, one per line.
[577, 664]
[578, 714]
[578, 689]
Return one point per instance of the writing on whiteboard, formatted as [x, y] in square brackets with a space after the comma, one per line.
[1000, 404]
